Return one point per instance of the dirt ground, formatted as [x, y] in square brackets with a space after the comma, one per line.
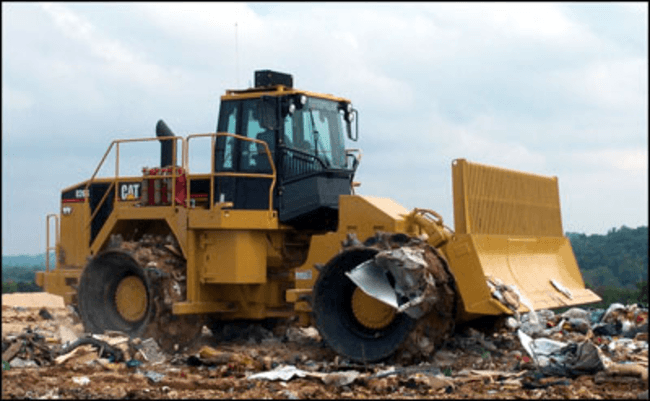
[476, 363]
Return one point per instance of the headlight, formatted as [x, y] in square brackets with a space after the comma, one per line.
[292, 108]
[303, 99]
[349, 108]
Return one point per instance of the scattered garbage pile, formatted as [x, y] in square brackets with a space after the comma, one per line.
[580, 353]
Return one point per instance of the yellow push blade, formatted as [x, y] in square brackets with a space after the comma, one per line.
[509, 231]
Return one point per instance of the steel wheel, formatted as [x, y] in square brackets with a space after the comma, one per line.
[114, 294]
[363, 335]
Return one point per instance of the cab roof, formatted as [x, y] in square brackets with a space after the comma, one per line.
[276, 90]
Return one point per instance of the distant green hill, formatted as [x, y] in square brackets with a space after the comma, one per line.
[24, 260]
[617, 259]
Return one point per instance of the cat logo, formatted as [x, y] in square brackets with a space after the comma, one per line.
[130, 191]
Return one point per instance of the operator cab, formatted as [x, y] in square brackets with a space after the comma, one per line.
[305, 135]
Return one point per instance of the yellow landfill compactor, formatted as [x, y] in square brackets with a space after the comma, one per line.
[274, 229]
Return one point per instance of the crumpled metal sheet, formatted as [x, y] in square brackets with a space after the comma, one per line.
[413, 282]
[373, 281]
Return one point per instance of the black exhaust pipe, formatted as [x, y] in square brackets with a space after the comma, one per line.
[166, 146]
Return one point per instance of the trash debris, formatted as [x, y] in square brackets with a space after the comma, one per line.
[151, 352]
[627, 321]
[582, 352]
[576, 313]
[339, 379]
[283, 373]
[290, 395]
[579, 325]
[106, 350]
[302, 334]
[45, 314]
[154, 377]
[626, 345]
[28, 346]
[133, 363]
[22, 363]
[288, 372]
[81, 380]
[66, 335]
[555, 358]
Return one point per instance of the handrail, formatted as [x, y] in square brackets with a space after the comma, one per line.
[49, 248]
[272, 176]
[117, 167]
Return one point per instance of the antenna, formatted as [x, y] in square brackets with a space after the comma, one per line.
[236, 58]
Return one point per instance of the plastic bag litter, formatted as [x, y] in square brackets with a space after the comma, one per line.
[596, 316]
[81, 380]
[576, 313]
[22, 363]
[555, 358]
[288, 372]
[627, 321]
[626, 345]
[539, 349]
[151, 352]
[283, 373]
[154, 377]
[577, 324]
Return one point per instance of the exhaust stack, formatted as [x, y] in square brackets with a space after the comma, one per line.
[166, 146]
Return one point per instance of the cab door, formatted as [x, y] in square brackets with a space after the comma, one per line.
[246, 118]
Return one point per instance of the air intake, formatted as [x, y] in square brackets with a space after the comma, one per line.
[265, 78]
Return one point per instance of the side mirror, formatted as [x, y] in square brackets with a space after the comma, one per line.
[353, 134]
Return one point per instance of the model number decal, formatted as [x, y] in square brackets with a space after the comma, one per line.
[81, 194]
[303, 275]
[130, 191]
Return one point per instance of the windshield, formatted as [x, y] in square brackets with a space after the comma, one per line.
[317, 128]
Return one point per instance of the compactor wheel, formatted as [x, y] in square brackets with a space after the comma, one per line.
[113, 294]
[117, 293]
[363, 335]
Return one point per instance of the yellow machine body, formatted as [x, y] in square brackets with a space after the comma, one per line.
[245, 264]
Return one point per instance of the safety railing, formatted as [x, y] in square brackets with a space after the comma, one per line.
[117, 143]
[213, 173]
[49, 248]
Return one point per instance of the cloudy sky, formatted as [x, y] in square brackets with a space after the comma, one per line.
[552, 88]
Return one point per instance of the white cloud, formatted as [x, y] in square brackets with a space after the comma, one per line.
[115, 58]
[199, 21]
[16, 100]
[633, 161]
[612, 84]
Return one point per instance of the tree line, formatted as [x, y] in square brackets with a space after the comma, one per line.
[615, 265]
